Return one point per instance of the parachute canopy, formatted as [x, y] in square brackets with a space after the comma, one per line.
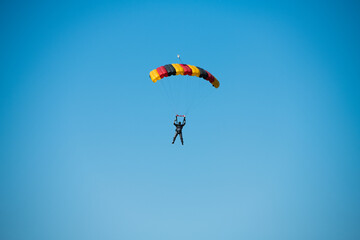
[182, 69]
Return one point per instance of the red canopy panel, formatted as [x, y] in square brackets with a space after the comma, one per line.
[162, 71]
[210, 77]
[187, 69]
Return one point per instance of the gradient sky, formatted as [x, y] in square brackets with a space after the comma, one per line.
[85, 137]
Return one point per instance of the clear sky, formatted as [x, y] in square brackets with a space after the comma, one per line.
[85, 137]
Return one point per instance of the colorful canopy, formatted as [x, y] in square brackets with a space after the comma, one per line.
[182, 69]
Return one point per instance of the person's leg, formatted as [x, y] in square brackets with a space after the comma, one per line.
[181, 138]
[175, 137]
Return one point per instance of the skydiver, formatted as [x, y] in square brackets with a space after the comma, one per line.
[178, 130]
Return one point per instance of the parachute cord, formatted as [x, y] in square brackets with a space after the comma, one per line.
[203, 94]
[167, 92]
[194, 88]
[171, 83]
[170, 86]
[187, 93]
[208, 95]
[192, 92]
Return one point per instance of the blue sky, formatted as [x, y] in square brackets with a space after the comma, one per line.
[85, 135]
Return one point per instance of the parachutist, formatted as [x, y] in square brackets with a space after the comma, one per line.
[178, 130]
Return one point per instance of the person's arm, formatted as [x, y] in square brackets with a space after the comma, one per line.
[184, 121]
[175, 120]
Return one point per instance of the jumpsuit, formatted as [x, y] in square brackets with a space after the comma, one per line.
[179, 127]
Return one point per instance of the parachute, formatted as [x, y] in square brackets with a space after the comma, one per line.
[182, 69]
[184, 92]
